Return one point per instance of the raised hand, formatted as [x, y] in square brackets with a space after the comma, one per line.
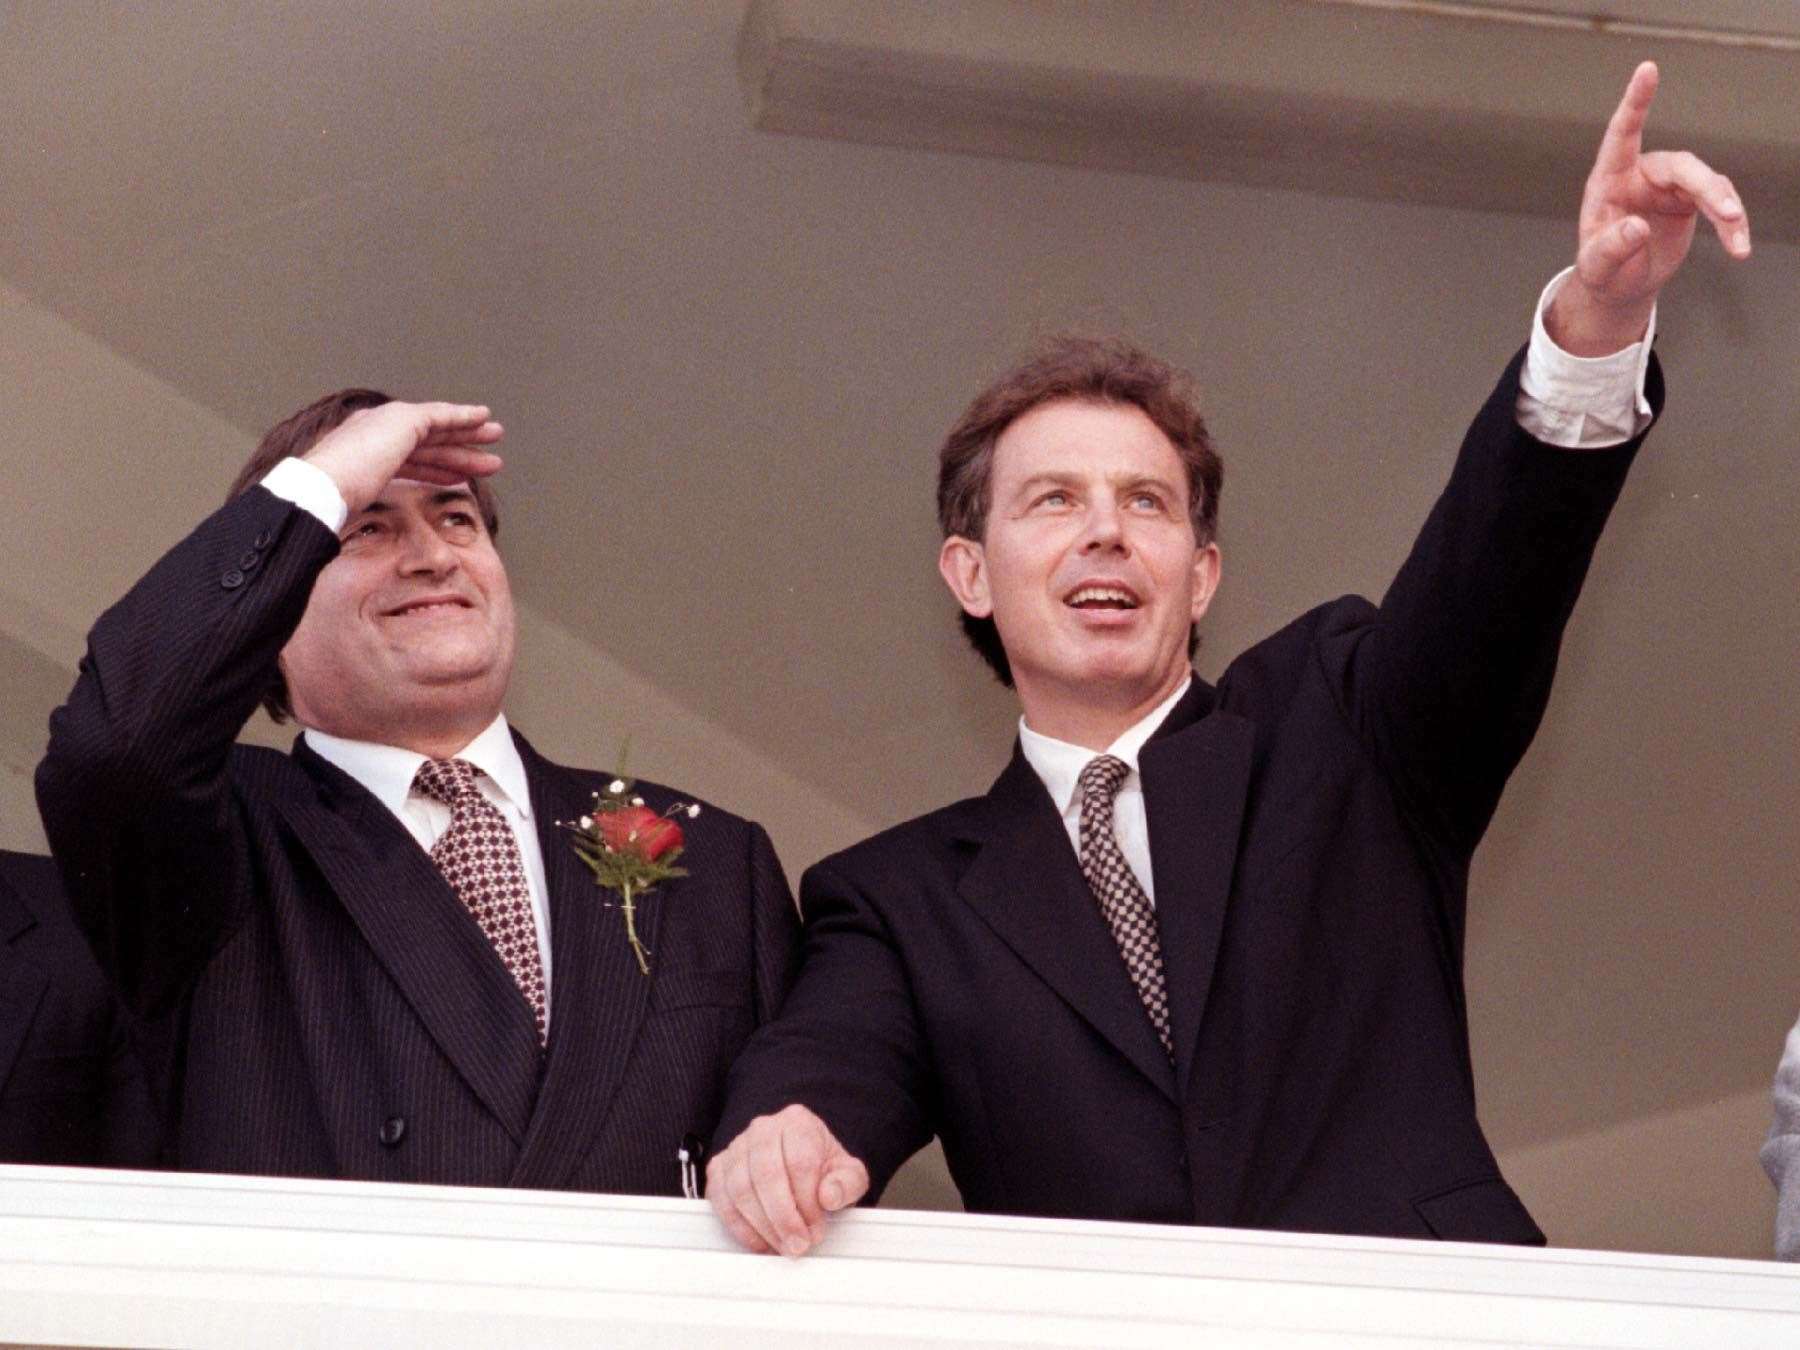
[1638, 214]
[441, 443]
[777, 1181]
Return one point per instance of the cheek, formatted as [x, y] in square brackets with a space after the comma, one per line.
[331, 612]
[1020, 566]
[500, 602]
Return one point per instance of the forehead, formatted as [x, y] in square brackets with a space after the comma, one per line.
[1079, 438]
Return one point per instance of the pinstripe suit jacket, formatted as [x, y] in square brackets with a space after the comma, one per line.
[319, 1001]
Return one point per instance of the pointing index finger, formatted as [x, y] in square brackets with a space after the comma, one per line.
[1624, 138]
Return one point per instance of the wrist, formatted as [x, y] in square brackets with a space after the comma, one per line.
[1582, 324]
[309, 488]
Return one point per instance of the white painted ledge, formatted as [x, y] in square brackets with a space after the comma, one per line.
[134, 1258]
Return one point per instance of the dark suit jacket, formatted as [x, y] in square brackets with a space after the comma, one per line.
[326, 1006]
[72, 1089]
[1311, 820]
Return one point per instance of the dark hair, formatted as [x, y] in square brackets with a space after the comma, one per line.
[294, 436]
[1088, 370]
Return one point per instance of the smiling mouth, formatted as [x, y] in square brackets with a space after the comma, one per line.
[1115, 598]
[419, 607]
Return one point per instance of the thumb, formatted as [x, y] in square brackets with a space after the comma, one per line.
[1602, 257]
[844, 1182]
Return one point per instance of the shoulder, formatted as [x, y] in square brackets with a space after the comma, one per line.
[259, 772]
[1277, 665]
[34, 909]
[31, 876]
[31, 899]
[925, 846]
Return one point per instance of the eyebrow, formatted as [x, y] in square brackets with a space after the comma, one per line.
[440, 498]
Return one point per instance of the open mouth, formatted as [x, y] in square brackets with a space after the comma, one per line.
[1101, 598]
[427, 605]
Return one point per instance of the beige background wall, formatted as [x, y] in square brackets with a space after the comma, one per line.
[725, 357]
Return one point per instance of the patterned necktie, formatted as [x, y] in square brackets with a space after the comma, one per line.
[479, 857]
[1122, 900]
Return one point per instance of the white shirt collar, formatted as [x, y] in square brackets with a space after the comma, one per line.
[1060, 764]
[388, 771]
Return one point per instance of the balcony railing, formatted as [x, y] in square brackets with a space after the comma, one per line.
[135, 1258]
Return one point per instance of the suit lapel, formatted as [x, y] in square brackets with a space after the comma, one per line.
[1195, 771]
[22, 982]
[1026, 883]
[428, 943]
[598, 996]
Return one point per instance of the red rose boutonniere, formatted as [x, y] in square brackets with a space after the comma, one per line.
[630, 849]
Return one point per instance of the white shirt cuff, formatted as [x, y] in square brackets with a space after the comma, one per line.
[1582, 402]
[309, 488]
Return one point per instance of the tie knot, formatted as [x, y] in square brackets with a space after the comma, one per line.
[449, 780]
[1101, 778]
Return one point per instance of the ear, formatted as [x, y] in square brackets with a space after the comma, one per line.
[1207, 570]
[963, 565]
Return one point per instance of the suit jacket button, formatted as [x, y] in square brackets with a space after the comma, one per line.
[264, 539]
[393, 1130]
[250, 559]
[232, 579]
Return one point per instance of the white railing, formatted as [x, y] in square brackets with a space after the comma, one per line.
[137, 1258]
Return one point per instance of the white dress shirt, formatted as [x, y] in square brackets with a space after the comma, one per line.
[1578, 403]
[387, 771]
[1582, 402]
[1059, 765]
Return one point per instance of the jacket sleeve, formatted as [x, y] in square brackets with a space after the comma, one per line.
[1448, 682]
[775, 927]
[847, 1044]
[134, 787]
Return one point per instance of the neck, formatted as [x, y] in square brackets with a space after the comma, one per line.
[1076, 716]
[446, 747]
[437, 740]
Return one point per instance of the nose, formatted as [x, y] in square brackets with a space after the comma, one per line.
[424, 552]
[1103, 529]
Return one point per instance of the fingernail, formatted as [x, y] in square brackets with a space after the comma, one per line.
[1634, 229]
[1731, 206]
[831, 1195]
[796, 1246]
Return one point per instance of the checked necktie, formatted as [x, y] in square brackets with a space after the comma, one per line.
[1122, 900]
[479, 857]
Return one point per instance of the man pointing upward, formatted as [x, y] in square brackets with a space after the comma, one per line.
[1196, 957]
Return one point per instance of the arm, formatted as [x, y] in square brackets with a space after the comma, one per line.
[832, 1093]
[1448, 685]
[775, 927]
[134, 788]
